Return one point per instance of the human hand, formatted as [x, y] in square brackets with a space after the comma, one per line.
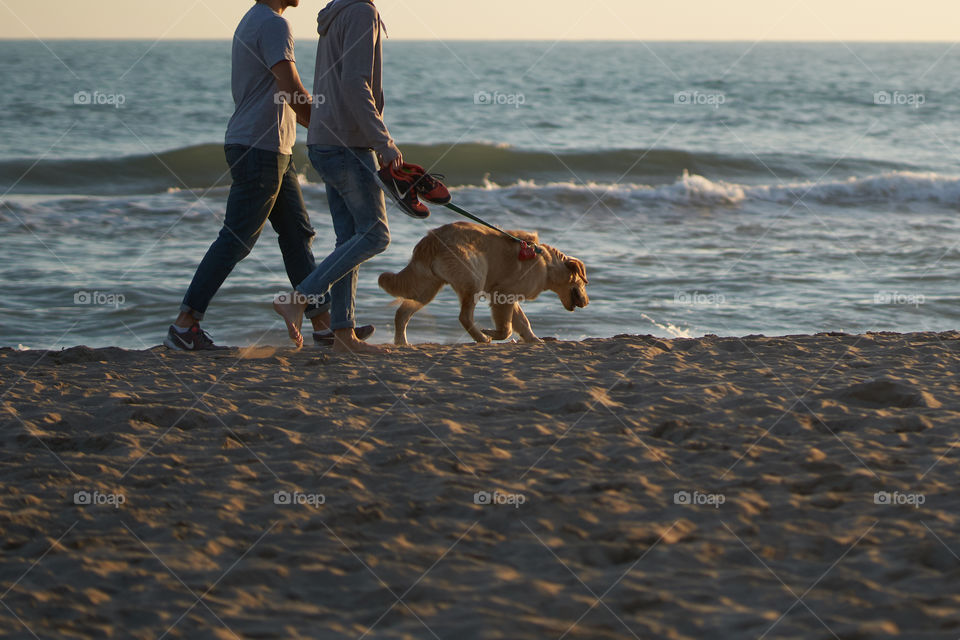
[396, 160]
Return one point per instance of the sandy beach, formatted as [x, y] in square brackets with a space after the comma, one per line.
[799, 487]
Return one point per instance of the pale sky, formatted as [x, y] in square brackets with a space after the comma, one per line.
[846, 20]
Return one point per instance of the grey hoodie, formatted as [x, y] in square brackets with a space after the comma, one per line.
[348, 84]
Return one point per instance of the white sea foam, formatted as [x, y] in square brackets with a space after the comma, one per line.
[670, 328]
[696, 190]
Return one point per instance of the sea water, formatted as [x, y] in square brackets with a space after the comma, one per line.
[731, 188]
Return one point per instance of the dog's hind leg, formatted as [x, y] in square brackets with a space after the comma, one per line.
[502, 315]
[423, 292]
[522, 325]
[404, 313]
[468, 302]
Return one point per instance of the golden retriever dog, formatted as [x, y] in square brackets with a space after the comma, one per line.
[483, 265]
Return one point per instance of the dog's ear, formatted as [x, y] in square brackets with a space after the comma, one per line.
[578, 268]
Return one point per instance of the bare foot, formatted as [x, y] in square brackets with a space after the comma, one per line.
[345, 341]
[292, 314]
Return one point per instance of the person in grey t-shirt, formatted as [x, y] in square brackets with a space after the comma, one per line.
[263, 41]
[270, 101]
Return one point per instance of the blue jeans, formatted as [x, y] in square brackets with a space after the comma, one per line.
[359, 220]
[265, 187]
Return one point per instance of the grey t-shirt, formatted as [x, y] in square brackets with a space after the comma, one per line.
[262, 40]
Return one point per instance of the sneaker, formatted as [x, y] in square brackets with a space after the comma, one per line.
[195, 339]
[428, 185]
[400, 186]
[326, 338]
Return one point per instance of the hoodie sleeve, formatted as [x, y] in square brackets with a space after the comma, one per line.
[359, 43]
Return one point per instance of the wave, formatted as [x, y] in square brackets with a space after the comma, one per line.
[894, 187]
[203, 167]
[531, 197]
[197, 167]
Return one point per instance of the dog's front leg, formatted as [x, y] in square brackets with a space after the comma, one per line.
[521, 325]
[467, 304]
[502, 315]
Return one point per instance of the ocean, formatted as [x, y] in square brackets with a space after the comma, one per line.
[727, 189]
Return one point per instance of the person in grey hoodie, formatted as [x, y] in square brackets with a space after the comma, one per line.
[347, 136]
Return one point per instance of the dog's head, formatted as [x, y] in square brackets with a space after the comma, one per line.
[567, 277]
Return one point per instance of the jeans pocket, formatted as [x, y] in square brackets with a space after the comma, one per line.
[328, 161]
[249, 166]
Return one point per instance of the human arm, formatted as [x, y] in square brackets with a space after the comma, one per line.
[360, 33]
[277, 51]
[290, 89]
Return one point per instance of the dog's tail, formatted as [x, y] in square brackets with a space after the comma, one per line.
[416, 281]
[406, 283]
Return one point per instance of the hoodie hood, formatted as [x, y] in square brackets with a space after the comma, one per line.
[331, 11]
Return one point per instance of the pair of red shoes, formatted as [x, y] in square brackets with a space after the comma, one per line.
[410, 182]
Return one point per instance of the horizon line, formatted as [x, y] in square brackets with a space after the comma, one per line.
[503, 40]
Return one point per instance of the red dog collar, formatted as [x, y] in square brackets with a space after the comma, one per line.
[527, 252]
